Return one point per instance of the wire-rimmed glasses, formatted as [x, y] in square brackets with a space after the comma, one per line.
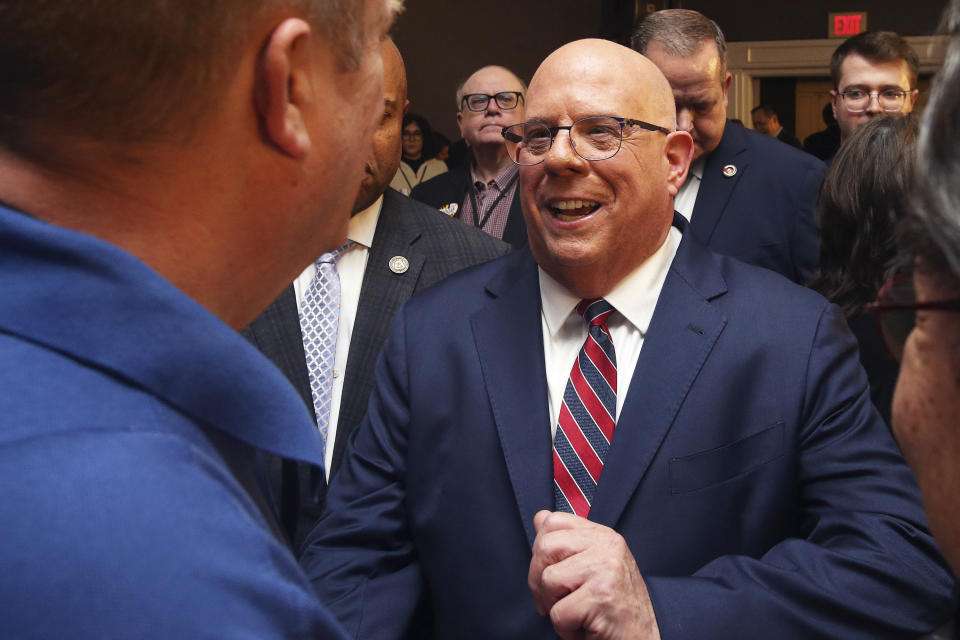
[895, 312]
[593, 138]
[858, 100]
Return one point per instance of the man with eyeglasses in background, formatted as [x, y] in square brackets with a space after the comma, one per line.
[874, 74]
[617, 433]
[483, 193]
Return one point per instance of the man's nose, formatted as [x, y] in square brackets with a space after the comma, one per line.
[684, 120]
[562, 156]
[492, 107]
[873, 105]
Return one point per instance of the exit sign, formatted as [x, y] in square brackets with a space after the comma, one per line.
[844, 25]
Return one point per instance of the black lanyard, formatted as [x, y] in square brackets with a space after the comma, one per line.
[480, 223]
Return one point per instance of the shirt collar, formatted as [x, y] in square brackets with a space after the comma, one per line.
[696, 168]
[364, 225]
[501, 180]
[635, 297]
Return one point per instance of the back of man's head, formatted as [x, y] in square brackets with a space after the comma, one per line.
[681, 32]
[131, 72]
[875, 47]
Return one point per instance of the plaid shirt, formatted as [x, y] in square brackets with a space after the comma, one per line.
[497, 193]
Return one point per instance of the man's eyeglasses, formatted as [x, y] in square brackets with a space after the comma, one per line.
[412, 134]
[593, 138]
[895, 311]
[506, 100]
[857, 100]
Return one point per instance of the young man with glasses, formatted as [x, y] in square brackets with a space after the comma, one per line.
[619, 433]
[874, 74]
[484, 192]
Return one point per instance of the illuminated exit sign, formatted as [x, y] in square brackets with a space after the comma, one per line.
[844, 25]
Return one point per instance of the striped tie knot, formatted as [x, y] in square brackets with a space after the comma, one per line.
[595, 311]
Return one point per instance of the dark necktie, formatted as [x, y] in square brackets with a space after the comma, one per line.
[587, 415]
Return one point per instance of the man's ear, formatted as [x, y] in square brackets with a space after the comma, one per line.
[406, 106]
[834, 99]
[679, 153]
[282, 87]
[727, 81]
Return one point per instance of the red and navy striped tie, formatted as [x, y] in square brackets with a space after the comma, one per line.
[587, 415]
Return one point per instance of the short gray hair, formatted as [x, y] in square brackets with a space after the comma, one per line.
[937, 202]
[460, 85]
[681, 32]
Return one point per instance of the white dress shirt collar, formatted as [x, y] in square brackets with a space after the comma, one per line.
[635, 297]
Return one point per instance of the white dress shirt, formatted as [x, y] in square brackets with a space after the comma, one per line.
[687, 196]
[565, 330]
[350, 268]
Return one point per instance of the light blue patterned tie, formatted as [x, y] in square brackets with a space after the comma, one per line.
[319, 319]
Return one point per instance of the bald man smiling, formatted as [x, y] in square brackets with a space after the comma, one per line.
[616, 433]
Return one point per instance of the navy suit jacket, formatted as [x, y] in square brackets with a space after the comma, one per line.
[750, 475]
[763, 213]
[434, 247]
[451, 188]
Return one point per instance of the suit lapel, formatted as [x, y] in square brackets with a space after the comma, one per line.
[381, 294]
[276, 333]
[509, 343]
[716, 186]
[682, 333]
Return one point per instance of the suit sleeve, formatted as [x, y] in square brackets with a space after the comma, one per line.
[360, 557]
[864, 565]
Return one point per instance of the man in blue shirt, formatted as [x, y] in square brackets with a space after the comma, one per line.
[155, 175]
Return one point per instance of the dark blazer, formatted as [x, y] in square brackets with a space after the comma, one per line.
[435, 247]
[749, 473]
[450, 188]
[762, 213]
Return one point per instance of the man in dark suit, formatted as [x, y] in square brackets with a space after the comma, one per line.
[483, 192]
[408, 246]
[703, 460]
[746, 196]
[766, 121]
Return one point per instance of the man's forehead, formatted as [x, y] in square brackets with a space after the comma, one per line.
[700, 67]
[859, 71]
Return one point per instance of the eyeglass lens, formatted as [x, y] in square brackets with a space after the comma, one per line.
[857, 100]
[505, 100]
[594, 138]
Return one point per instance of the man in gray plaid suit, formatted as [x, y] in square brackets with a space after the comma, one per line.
[397, 247]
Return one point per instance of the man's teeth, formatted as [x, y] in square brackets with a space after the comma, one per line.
[566, 205]
[569, 210]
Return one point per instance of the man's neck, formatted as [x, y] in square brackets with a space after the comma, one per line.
[145, 212]
[490, 161]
